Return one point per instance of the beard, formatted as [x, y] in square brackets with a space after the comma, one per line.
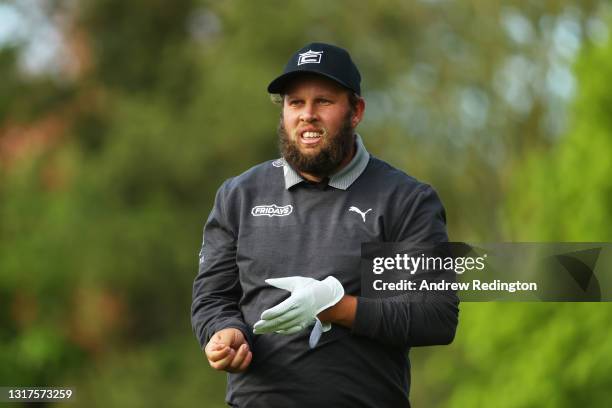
[333, 150]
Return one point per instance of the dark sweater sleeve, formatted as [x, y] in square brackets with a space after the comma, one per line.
[216, 288]
[421, 319]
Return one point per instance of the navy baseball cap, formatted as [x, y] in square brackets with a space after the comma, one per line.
[323, 59]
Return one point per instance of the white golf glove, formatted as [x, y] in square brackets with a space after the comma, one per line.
[308, 298]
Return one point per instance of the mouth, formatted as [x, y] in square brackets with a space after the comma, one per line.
[311, 137]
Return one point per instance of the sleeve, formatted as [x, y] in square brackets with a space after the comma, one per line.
[216, 288]
[410, 320]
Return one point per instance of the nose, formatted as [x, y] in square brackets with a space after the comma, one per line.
[308, 113]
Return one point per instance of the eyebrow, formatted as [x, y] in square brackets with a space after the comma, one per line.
[317, 96]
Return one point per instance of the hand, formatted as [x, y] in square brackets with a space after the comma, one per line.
[228, 351]
[308, 298]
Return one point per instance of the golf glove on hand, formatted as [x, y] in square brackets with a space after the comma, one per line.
[308, 298]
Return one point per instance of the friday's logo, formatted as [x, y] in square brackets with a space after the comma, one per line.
[310, 57]
[271, 210]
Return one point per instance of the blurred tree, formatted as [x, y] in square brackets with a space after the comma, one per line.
[552, 354]
[569, 190]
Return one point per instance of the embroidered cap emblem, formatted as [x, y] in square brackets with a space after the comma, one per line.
[271, 210]
[310, 57]
[358, 211]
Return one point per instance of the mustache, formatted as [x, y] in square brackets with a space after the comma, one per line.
[311, 128]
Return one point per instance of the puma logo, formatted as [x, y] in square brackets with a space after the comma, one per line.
[357, 210]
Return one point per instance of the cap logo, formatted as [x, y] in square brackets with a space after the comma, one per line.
[310, 57]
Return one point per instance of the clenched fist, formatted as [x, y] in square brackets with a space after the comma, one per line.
[228, 351]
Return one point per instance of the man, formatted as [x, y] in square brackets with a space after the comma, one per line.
[294, 226]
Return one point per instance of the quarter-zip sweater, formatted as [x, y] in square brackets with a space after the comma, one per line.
[270, 223]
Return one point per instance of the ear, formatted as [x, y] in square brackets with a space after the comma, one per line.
[359, 111]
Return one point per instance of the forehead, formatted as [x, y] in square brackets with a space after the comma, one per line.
[311, 83]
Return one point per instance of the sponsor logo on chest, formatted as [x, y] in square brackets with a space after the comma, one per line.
[272, 210]
[362, 213]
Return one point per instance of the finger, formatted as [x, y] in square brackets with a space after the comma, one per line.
[297, 321]
[224, 362]
[263, 326]
[269, 326]
[290, 315]
[288, 283]
[216, 355]
[291, 330]
[247, 361]
[258, 329]
[214, 346]
[279, 309]
[239, 357]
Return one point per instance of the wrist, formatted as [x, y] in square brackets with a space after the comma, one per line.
[342, 313]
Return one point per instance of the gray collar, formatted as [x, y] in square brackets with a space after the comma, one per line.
[341, 180]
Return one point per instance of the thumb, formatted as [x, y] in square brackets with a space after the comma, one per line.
[290, 283]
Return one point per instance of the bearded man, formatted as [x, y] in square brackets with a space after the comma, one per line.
[294, 226]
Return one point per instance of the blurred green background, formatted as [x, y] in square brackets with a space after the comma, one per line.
[119, 120]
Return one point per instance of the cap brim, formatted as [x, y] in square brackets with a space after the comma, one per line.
[278, 85]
